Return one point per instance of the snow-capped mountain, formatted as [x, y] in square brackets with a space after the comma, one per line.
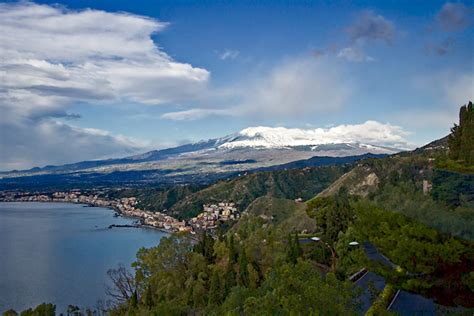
[253, 147]
[370, 135]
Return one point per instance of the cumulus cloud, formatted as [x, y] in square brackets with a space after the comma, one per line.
[53, 57]
[229, 54]
[454, 17]
[371, 26]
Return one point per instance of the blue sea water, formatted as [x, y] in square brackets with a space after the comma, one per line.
[60, 253]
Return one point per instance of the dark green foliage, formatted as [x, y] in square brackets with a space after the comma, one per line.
[215, 289]
[293, 248]
[449, 208]
[232, 249]
[148, 297]
[333, 214]
[10, 312]
[246, 273]
[243, 270]
[413, 246]
[205, 246]
[461, 140]
[453, 188]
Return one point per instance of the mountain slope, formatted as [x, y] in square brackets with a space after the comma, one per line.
[411, 183]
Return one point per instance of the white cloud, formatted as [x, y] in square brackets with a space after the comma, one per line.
[53, 57]
[229, 54]
[194, 114]
[90, 55]
[354, 54]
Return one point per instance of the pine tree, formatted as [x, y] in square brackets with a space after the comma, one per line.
[232, 250]
[461, 139]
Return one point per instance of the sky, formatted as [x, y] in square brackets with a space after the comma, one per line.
[83, 80]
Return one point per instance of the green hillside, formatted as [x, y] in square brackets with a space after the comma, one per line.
[288, 184]
[424, 184]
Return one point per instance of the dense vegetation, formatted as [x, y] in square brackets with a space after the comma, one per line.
[396, 183]
[259, 268]
[185, 202]
[253, 269]
[461, 140]
[40, 310]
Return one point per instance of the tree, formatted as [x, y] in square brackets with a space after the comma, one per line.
[124, 285]
[461, 139]
[333, 214]
[232, 249]
[205, 246]
[243, 271]
[41, 310]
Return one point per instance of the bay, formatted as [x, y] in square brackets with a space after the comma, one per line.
[60, 253]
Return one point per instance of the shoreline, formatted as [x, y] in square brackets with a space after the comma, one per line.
[117, 213]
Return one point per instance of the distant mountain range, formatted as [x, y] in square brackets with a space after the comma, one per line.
[250, 149]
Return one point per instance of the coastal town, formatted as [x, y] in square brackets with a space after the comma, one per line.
[207, 220]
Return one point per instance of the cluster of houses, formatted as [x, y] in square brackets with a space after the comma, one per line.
[127, 207]
[213, 214]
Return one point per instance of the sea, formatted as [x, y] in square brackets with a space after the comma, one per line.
[60, 253]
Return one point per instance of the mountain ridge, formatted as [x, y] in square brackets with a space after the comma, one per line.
[260, 141]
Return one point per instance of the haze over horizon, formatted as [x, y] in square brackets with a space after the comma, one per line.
[86, 80]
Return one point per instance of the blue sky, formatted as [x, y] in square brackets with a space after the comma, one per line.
[217, 67]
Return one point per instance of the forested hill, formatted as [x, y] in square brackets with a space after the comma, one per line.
[185, 202]
[433, 184]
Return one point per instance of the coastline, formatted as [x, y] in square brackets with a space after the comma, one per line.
[117, 212]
